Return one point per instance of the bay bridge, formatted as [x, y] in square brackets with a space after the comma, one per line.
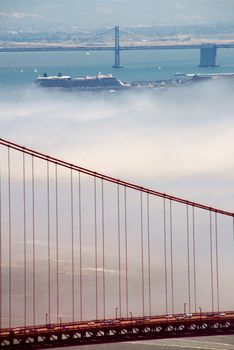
[87, 258]
[130, 41]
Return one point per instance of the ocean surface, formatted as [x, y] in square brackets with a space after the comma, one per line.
[202, 343]
[18, 70]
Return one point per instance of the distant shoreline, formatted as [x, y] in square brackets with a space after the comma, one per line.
[152, 45]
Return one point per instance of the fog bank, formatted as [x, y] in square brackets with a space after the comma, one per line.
[178, 141]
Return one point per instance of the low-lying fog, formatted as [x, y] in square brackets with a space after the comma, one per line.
[178, 141]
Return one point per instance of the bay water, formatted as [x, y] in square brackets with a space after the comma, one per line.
[22, 68]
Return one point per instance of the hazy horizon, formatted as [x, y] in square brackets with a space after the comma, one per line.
[101, 13]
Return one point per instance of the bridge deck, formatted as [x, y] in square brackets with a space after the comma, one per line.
[124, 47]
[117, 330]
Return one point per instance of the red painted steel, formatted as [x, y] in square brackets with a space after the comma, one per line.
[125, 329]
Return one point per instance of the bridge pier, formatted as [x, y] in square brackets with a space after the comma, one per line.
[117, 63]
[208, 55]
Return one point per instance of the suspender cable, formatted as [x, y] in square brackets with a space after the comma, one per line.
[165, 252]
[211, 264]
[80, 244]
[188, 259]
[103, 254]
[57, 239]
[24, 240]
[194, 261]
[217, 260]
[172, 267]
[149, 255]
[119, 253]
[72, 248]
[142, 261]
[233, 229]
[95, 238]
[126, 247]
[34, 248]
[0, 247]
[48, 238]
[9, 235]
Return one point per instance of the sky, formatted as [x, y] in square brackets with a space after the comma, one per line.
[83, 13]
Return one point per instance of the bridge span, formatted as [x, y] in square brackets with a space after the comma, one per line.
[86, 258]
[208, 50]
[117, 330]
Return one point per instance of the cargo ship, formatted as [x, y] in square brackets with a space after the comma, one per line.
[98, 82]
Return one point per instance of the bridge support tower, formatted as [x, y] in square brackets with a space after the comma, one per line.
[208, 54]
[117, 63]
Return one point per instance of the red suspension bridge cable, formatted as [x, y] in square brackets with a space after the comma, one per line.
[95, 247]
[188, 258]
[48, 240]
[72, 249]
[103, 252]
[25, 242]
[165, 253]
[112, 179]
[9, 239]
[211, 264]
[80, 244]
[194, 260]
[217, 260]
[126, 247]
[119, 252]
[34, 248]
[57, 239]
[0, 249]
[144, 226]
[172, 269]
[142, 258]
[149, 252]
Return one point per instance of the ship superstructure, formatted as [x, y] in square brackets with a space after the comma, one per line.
[98, 82]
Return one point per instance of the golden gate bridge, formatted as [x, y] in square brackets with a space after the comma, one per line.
[87, 258]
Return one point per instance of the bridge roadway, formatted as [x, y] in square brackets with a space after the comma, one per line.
[117, 330]
[108, 48]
